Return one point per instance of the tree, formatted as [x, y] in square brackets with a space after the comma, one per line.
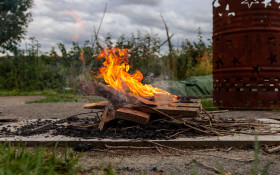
[14, 19]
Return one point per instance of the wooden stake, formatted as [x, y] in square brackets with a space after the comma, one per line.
[103, 118]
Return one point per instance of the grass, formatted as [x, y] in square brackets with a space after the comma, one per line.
[16, 92]
[19, 160]
[208, 105]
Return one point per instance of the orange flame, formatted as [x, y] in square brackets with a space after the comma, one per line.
[82, 56]
[115, 74]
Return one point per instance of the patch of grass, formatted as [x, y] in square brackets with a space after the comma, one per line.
[19, 160]
[256, 165]
[16, 92]
[208, 105]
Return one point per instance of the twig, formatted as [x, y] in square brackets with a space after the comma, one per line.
[127, 147]
[273, 150]
[166, 40]
[88, 126]
[207, 114]
[207, 166]
[194, 128]
[159, 112]
[235, 159]
[179, 133]
[97, 32]
[167, 34]
[157, 144]
[130, 127]
[159, 150]
[219, 111]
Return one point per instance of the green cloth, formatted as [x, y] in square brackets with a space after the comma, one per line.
[193, 86]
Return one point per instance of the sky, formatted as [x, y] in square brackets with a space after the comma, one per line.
[64, 21]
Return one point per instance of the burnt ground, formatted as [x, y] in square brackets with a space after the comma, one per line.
[162, 161]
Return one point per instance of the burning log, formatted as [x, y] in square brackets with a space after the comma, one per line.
[117, 98]
[133, 115]
[143, 100]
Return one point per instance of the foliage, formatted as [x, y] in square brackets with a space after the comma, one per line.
[19, 160]
[27, 70]
[14, 20]
[16, 92]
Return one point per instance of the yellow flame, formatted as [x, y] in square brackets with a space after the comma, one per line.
[115, 73]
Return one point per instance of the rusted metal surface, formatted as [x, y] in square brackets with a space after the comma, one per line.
[246, 63]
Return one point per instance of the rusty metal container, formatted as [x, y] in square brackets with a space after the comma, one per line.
[246, 54]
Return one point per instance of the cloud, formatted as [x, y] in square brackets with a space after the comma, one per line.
[142, 2]
[53, 24]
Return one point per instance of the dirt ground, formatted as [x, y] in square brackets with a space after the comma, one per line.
[162, 161]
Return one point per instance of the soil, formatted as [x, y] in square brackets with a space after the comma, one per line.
[162, 161]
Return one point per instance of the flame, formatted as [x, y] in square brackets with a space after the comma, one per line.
[82, 56]
[115, 73]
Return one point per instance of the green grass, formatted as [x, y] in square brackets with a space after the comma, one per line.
[19, 160]
[16, 92]
[207, 104]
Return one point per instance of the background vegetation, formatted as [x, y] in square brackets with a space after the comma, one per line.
[61, 69]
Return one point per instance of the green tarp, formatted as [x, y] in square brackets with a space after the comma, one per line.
[193, 86]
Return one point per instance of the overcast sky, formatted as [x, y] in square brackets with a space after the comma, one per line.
[63, 21]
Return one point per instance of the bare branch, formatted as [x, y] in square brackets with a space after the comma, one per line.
[98, 30]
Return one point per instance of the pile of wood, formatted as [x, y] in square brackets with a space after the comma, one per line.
[138, 109]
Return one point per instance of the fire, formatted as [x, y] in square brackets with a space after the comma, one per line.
[115, 73]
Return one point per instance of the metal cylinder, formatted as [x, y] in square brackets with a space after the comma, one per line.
[246, 54]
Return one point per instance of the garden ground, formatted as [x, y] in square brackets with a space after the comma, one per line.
[163, 161]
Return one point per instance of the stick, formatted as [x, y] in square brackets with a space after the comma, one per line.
[179, 133]
[159, 112]
[103, 118]
[127, 147]
[194, 128]
[167, 34]
[159, 151]
[207, 166]
[157, 144]
[96, 33]
[273, 150]
[207, 114]
[235, 159]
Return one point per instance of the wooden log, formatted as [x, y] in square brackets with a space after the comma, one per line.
[143, 100]
[103, 118]
[164, 99]
[99, 105]
[117, 98]
[151, 110]
[190, 105]
[182, 111]
[133, 115]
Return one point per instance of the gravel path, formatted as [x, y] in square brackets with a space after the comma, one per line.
[137, 161]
